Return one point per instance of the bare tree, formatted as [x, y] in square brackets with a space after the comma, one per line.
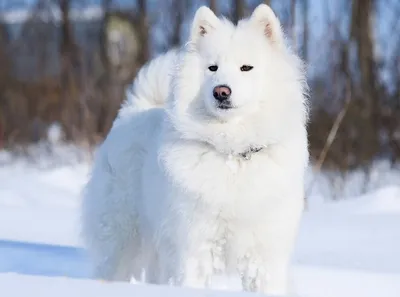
[178, 11]
[239, 10]
[144, 30]
[213, 6]
[362, 33]
[293, 22]
[69, 72]
[305, 30]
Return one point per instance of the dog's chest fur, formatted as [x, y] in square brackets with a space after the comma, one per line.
[228, 184]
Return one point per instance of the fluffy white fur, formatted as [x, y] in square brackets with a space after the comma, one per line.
[170, 193]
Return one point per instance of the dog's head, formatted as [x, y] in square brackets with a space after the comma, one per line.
[235, 60]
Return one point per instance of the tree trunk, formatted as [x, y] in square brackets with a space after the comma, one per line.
[305, 30]
[144, 31]
[106, 4]
[178, 7]
[293, 22]
[213, 6]
[362, 35]
[69, 79]
[238, 10]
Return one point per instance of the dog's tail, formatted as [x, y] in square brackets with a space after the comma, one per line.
[151, 86]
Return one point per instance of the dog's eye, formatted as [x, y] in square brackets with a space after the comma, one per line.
[246, 68]
[213, 68]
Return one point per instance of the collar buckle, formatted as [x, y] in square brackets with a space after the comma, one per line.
[252, 150]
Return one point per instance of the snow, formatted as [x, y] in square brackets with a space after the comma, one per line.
[346, 247]
[39, 201]
[63, 287]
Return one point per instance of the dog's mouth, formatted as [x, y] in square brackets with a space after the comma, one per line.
[225, 105]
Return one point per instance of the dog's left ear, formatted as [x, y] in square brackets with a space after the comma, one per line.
[266, 20]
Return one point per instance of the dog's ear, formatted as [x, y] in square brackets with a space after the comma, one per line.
[203, 23]
[265, 18]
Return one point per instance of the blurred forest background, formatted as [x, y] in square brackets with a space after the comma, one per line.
[69, 62]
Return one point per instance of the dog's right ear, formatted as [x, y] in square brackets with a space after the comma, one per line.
[203, 23]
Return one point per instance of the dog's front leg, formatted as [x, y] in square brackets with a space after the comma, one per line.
[189, 257]
[262, 263]
[263, 275]
[197, 266]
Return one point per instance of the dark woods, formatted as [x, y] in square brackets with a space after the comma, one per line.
[69, 62]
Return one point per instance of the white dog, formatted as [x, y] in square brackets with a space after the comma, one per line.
[211, 181]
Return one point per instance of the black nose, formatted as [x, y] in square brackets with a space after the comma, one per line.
[222, 93]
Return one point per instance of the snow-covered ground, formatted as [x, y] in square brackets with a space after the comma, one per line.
[346, 248]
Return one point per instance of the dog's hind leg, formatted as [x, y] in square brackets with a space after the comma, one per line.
[117, 262]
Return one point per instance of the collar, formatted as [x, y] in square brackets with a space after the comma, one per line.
[246, 155]
[252, 150]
